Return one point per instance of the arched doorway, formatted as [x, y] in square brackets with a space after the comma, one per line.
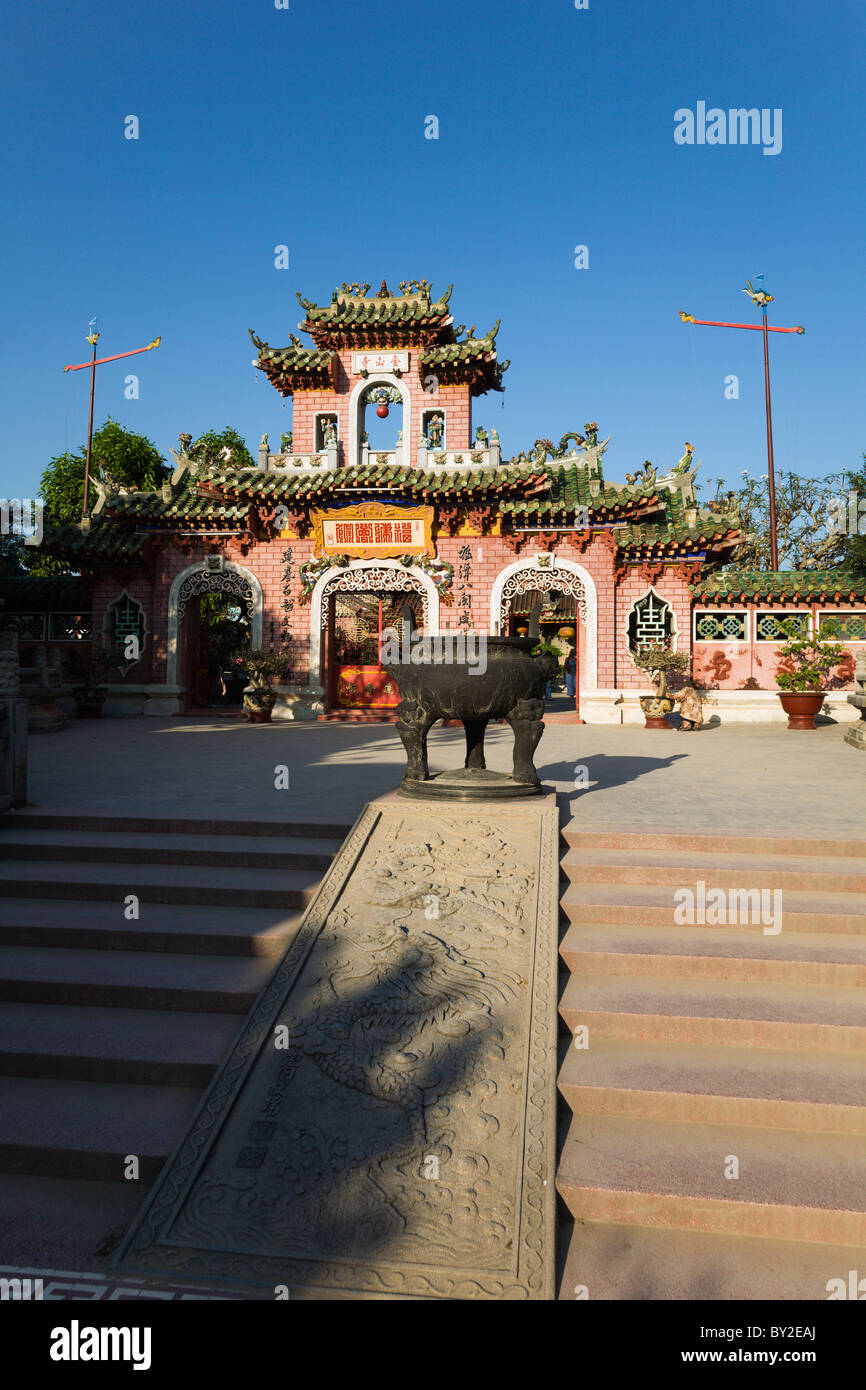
[387, 435]
[553, 600]
[215, 609]
[350, 610]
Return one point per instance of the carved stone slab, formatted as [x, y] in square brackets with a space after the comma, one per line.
[385, 1124]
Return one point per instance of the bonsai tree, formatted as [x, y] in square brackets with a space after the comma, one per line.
[657, 660]
[87, 666]
[261, 665]
[811, 657]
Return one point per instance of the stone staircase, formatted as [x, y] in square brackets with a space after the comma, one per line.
[712, 1049]
[111, 1027]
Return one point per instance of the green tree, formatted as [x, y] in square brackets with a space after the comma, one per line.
[129, 460]
[855, 551]
[210, 445]
[807, 527]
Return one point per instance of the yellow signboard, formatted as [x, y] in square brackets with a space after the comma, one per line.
[373, 531]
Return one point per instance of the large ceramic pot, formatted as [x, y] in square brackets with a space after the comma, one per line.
[655, 710]
[474, 678]
[801, 706]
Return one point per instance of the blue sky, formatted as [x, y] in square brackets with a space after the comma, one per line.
[305, 127]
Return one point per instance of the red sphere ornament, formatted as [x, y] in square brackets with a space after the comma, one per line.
[382, 411]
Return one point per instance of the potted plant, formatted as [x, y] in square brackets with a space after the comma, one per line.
[658, 659]
[261, 664]
[810, 660]
[87, 665]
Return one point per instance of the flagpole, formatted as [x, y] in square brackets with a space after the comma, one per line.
[771, 474]
[761, 299]
[92, 339]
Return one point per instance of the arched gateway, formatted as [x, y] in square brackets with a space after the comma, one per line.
[350, 608]
[215, 575]
[546, 575]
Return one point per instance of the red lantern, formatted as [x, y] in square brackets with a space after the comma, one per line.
[382, 411]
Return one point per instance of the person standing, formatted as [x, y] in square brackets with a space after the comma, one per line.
[570, 668]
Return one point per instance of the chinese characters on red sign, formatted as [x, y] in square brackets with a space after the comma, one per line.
[373, 532]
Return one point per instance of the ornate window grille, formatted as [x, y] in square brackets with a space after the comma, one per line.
[721, 627]
[770, 627]
[71, 627]
[126, 620]
[31, 627]
[650, 623]
[842, 627]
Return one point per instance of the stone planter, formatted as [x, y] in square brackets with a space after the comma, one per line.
[856, 736]
[447, 680]
[801, 706]
[89, 703]
[655, 709]
[259, 704]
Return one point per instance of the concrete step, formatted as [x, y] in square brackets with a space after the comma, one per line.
[64, 1223]
[683, 869]
[731, 1013]
[141, 1046]
[791, 1185]
[627, 1263]
[715, 953]
[216, 887]
[82, 1129]
[165, 825]
[706, 842]
[238, 851]
[143, 980]
[820, 1092]
[649, 905]
[188, 928]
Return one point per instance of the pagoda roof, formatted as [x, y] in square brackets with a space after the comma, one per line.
[255, 486]
[647, 518]
[296, 368]
[355, 319]
[799, 586]
[97, 543]
[44, 593]
[709, 532]
[467, 359]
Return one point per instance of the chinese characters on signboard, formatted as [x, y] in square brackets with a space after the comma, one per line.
[351, 533]
[386, 361]
[373, 531]
[464, 586]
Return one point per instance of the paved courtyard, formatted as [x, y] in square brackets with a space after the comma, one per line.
[756, 777]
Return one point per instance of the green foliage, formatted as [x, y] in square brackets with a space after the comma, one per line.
[262, 663]
[658, 659]
[808, 530]
[855, 551]
[88, 664]
[812, 659]
[131, 460]
[208, 447]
